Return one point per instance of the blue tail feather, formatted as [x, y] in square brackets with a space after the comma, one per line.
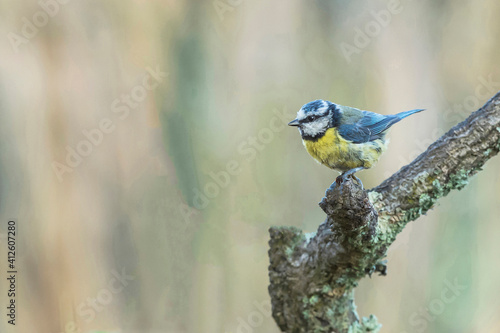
[405, 114]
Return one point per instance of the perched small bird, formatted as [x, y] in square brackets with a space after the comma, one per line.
[343, 138]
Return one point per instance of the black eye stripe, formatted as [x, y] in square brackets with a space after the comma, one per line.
[311, 118]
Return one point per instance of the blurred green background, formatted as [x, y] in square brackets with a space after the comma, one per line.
[144, 202]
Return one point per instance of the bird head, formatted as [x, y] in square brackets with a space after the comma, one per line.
[314, 118]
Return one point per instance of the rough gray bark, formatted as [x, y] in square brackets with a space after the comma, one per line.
[312, 276]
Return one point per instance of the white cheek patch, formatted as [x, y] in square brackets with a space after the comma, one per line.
[315, 127]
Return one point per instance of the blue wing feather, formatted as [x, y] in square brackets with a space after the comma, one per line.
[371, 126]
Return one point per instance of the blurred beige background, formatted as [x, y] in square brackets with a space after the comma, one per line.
[144, 153]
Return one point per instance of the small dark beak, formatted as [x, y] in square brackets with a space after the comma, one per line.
[294, 122]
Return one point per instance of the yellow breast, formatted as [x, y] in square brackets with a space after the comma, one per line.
[337, 153]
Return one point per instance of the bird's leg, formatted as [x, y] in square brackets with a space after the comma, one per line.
[351, 173]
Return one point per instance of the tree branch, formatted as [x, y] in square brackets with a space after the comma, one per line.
[312, 276]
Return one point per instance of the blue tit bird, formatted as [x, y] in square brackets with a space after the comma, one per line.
[344, 138]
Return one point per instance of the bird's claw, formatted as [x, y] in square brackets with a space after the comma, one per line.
[340, 182]
[343, 178]
[358, 180]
